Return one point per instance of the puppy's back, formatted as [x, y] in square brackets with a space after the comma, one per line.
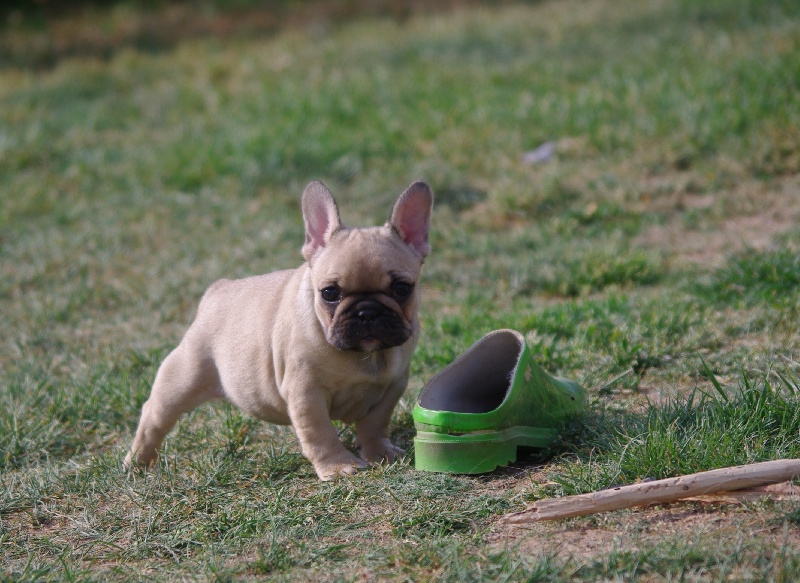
[238, 308]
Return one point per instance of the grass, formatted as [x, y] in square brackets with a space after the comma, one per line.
[653, 258]
[753, 278]
[756, 423]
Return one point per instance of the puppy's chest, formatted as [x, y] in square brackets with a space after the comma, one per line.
[354, 402]
[352, 398]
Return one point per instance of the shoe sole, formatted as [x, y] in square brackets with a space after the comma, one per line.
[476, 453]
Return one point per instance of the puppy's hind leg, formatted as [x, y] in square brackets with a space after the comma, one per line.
[183, 382]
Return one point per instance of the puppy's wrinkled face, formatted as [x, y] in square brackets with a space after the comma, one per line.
[365, 286]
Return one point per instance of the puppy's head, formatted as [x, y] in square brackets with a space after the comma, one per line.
[365, 280]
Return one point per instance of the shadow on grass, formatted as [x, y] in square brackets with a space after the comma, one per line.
[40, 34]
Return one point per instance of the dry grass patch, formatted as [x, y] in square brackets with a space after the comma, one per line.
[705, 228]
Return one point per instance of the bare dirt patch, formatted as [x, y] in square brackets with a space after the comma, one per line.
[704, 229]
[586, 539]
[737, 519]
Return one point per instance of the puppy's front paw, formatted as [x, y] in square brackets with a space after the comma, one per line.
[333, 467]
[138, 460]
[379, 450]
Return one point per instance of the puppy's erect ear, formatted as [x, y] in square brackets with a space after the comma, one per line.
[411, 216]
[321, 216]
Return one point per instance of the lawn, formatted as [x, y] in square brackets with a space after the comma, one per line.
[653, 255]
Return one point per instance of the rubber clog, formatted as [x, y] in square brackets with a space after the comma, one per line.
[472, 416]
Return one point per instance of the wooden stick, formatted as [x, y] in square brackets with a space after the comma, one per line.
[667, 490]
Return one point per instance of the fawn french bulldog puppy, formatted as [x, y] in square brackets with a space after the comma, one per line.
[329, 340]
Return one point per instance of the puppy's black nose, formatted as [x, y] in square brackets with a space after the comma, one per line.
[367, 314]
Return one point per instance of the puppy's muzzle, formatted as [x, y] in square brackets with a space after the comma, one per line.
[368, 325]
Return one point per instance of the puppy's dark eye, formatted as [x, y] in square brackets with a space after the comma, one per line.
[402, 290]
[332, 294]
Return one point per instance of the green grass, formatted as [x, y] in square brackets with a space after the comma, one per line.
[758, 422]
[654, 259]
[752, 278]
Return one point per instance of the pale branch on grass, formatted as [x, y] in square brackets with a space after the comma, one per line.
[659, 491]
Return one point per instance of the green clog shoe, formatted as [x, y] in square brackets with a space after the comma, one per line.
[472, 416]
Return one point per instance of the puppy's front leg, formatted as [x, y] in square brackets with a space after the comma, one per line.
[372, 431]
[312, 423]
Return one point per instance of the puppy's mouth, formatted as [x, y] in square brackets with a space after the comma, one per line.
[367, 326]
